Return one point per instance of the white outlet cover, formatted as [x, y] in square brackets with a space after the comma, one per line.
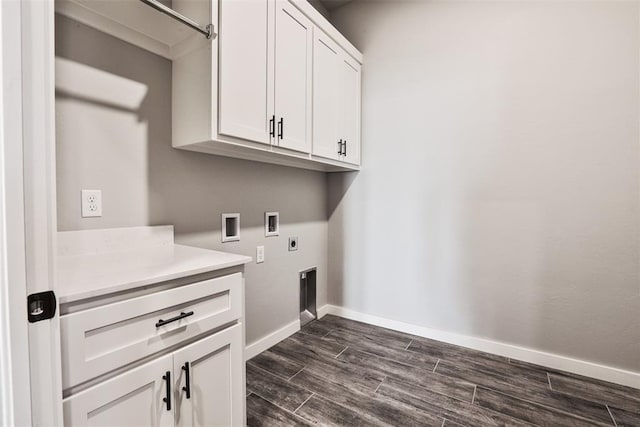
[91, 203]
[293, 244]
[259, 254]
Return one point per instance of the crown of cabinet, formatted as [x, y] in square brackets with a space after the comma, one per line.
[235, 95]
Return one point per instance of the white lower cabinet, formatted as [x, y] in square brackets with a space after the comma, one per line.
[198, 385]
[213, 394]
[133, 399]
[172, 357]
[105, 338]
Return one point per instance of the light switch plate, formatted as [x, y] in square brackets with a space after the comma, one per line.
[259, 254]
[91, 203]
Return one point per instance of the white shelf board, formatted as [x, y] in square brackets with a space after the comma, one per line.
[267, 155]
[133, 22]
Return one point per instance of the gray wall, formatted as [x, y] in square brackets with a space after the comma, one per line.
[127, 154]
[499, 196]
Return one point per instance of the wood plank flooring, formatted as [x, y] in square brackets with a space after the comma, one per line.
[340, 372]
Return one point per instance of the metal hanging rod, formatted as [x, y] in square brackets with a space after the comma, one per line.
[207, 30]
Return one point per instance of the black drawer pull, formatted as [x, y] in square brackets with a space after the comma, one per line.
[340, 148]
[281, 128]
[187, 380]
[182, 315]
[167, 400]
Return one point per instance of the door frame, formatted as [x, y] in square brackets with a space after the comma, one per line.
[15, 401]
[31, 390]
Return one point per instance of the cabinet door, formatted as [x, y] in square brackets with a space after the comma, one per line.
[326, 93]
[293, 61]
[132, 399]
[246, 69]
[350, 109]
[216, 389]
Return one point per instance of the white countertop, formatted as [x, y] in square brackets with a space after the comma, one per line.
[92, 274]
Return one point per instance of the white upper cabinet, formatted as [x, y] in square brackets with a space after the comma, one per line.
[255, 89]
[336, 102]
[265, 73]
[272, 87]
[327, 141]
[293, 62]
[246, 58]
[350, 110]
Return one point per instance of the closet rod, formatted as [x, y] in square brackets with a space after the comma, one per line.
[206, 30]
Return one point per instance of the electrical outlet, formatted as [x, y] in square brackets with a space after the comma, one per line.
[293, 243]
[259, 254]
[91, 203]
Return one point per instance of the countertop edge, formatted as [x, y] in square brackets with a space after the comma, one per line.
[71, 296]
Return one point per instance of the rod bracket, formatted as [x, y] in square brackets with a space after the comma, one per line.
[211, 33]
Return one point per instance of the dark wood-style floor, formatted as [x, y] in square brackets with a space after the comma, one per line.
[340, 372]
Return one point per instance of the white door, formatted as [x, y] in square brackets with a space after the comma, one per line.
[209, 388]
[139, 397]
[293, 62]
[246, 69]
[350, 110]
[326, 93]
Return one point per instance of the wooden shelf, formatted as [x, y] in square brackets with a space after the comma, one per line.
[136, 23]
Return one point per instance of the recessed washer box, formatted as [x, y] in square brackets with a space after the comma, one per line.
[230, 227]
[271, 224]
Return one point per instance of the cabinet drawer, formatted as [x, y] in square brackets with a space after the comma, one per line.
[105, 338]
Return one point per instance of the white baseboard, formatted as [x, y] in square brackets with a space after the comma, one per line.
[555, 361]
[270, 340]
[323, 311]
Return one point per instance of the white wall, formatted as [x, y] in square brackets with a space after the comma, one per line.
[499, 196]
[114, 133]
[317, 4]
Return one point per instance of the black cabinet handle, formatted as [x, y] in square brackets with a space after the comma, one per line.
[182, 315]
[281, 128]
[344, 149]
[187, 380]
[167, 400]
[340, 148]
[272, 126]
